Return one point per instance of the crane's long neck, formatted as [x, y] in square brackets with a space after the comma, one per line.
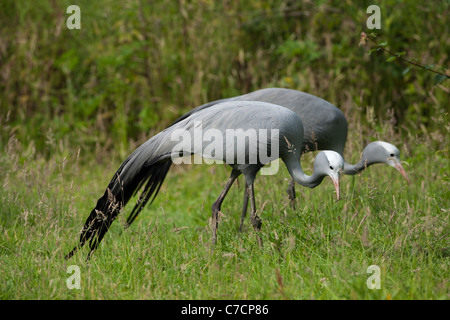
[352, 169]
[295, 170]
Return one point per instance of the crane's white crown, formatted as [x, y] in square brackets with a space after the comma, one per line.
[330, 163]
[390, 148]
[381, 151]
[335, 160]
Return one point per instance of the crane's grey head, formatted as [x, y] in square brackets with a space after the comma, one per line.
[330, 163]
[384, 152]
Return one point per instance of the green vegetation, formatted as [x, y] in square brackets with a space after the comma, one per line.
[75, 103]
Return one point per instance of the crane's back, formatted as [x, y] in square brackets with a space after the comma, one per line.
[325, 126]
[275, 130]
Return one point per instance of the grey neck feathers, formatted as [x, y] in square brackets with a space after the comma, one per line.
[295, 170]
[351, 169]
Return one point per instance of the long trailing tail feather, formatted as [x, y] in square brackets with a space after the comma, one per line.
[98, 222]
[156, 176]
[118, 193]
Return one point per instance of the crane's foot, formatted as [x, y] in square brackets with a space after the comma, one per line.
[291, 193]
[259, 239]
[292, 201]
[257, 223]
[214, 224]
[241, 226]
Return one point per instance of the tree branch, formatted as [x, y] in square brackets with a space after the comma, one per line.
[398, 55]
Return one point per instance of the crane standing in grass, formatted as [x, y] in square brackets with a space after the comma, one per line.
[325, 128]
[148, 165]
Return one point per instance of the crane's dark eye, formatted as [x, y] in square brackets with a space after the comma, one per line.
[331, 167]
[392, 154]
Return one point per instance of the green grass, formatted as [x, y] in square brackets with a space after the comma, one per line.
[319, 251]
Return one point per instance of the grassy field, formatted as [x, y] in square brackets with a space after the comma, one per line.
[75, 103]
[319, 251]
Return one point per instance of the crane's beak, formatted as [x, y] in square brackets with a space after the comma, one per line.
[335, 180]
[336, 187]
[398, 166]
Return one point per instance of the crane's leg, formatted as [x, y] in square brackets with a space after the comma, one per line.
[291, 192]
[256, 221]
[244, 208]
[218, 203]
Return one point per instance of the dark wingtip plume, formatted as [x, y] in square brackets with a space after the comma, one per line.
[71, 253]
[97, 223]
[155, 177]
[116, 196]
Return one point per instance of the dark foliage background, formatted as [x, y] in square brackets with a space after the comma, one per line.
[136, 65]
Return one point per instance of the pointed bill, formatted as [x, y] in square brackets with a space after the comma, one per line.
[335, 178]
[397, 165]
[336, 187]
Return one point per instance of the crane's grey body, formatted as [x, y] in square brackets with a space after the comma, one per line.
[325, 126]
[219, 117]
[148, 165]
